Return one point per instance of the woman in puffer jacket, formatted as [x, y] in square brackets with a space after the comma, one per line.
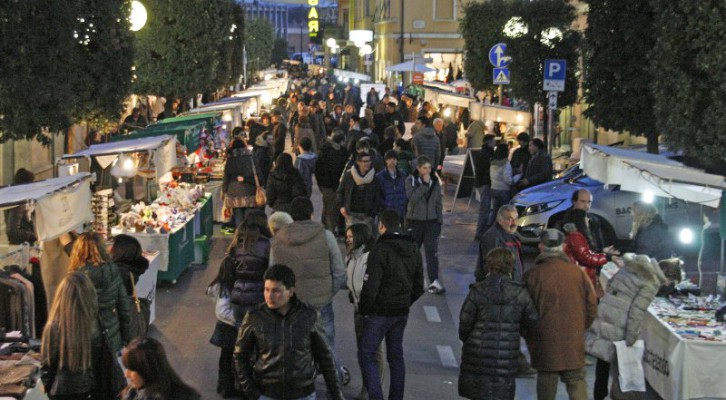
[495, 314]
[237, 288]
[620, 313]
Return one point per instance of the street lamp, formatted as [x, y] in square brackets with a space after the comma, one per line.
[138, 16]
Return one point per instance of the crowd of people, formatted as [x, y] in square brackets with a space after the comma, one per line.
[382, 198]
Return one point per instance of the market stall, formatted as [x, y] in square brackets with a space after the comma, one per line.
[684, 350]
[167, 223]
[510, 121]
[187, 129]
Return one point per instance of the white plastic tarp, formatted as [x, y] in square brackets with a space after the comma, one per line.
[408, 66]
[61, 204]
[163, 148]
[641, 172]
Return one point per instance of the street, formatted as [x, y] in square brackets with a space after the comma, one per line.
[185, 320]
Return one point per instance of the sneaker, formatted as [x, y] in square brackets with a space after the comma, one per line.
[344, 375]
[227, 231]
[526, 371]
[436, 287]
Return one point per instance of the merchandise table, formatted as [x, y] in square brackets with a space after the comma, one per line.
[215, 188]
[181, 242]
[683, 361]
[146, 286]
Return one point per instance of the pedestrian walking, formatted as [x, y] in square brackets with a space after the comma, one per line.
[358, 195]
[495, 313]
[284, 184]
[566, 303]
[393, 185]
[392, 283]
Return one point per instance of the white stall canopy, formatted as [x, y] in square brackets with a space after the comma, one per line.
[162, 149]
[409, 66]
[490, 112]
[60, 204]
[641, 172]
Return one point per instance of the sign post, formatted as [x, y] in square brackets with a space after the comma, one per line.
[553, 82]
[500, 73]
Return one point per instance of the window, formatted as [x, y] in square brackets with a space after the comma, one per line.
[383, 10]
[444, 9]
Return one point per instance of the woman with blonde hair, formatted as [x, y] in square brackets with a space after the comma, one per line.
[71, 341]
[649, 233]
[89, 256]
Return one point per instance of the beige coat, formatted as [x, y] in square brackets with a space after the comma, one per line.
[566, 303]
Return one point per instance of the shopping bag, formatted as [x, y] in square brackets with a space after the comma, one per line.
[226, 212]
[630, 366]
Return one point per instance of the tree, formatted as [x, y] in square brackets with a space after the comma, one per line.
[688, 76]
[279, 51]
[618, 76]
[178, 51]
[259, 36]
[483, 27]
[229, 69]
[103, 69]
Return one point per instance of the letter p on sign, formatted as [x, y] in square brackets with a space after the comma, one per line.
[554, 75]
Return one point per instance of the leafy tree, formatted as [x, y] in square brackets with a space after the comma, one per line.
[279, 51]
[688, 76]
[178, 51]
[482, 28]
[103, 70]
[618, 76]
[229, 69]
[259, 37]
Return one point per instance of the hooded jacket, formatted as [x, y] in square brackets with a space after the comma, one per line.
[426, 143]
[239, 164]
[277, 355]
[305, 164]
[394, 277]
[356, 264]
[312, 253]
[500, 174]
[282, 188]
[393, 191]
[621, 310]
[330, 164]
[494, 315]
[425, 201]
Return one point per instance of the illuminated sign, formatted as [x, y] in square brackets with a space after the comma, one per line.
[313, 20]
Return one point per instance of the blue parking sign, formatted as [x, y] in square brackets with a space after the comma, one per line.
[554, 75]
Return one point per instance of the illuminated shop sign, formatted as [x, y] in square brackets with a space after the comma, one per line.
[313, 20]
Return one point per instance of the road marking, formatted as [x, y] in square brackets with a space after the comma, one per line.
[446, 355]
[432, 314]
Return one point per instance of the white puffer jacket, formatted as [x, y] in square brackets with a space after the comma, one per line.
[356, 263]
[624, 305]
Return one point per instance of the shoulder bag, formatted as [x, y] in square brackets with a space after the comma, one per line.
[260, 196]
[140, 312]
[109, 375]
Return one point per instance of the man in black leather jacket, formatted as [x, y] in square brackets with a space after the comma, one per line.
[279, 344]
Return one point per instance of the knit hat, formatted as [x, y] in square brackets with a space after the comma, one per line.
[552, 238]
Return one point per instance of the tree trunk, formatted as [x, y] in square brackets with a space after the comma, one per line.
[652, 144]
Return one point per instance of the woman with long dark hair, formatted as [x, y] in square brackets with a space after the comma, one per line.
[284, 184]
[71, 341]
[89, 256]
[150, 375]
[126, 253]
[237, 288]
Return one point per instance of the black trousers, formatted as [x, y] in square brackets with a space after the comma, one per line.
[602, 375]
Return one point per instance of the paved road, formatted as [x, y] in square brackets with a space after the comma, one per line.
[185, 321]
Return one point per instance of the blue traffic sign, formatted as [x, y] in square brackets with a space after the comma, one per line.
[497, 57]
[500, 76]
[554, 75]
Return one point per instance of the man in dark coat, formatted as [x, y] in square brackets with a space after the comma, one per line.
[328, 170]
[482, 163]
[539, 166]
[394, 118]
[567, 305]
[494, 315]
[279, 134]
[501, 234]
[520, 156]
[393, 281]
[263, 364]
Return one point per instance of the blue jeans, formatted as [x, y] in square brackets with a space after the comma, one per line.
[327, 317]
[485, 210]
[427, 233]
[500, 198]
[375, 329]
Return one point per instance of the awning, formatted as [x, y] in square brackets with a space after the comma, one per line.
[163, 148]
[341, 73]
[642, 172]
[60, 204]
[408, 66]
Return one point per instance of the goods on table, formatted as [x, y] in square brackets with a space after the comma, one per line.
[692, 317]
[175, 205]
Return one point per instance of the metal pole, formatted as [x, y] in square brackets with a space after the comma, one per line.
[548, 137]
[500, 95]
[244, 67]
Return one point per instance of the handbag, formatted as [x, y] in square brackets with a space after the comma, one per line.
[109, 375]
[631, 377]
[140, 313]
[260, 196]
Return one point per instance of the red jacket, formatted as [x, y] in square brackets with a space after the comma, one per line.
[579, 252]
